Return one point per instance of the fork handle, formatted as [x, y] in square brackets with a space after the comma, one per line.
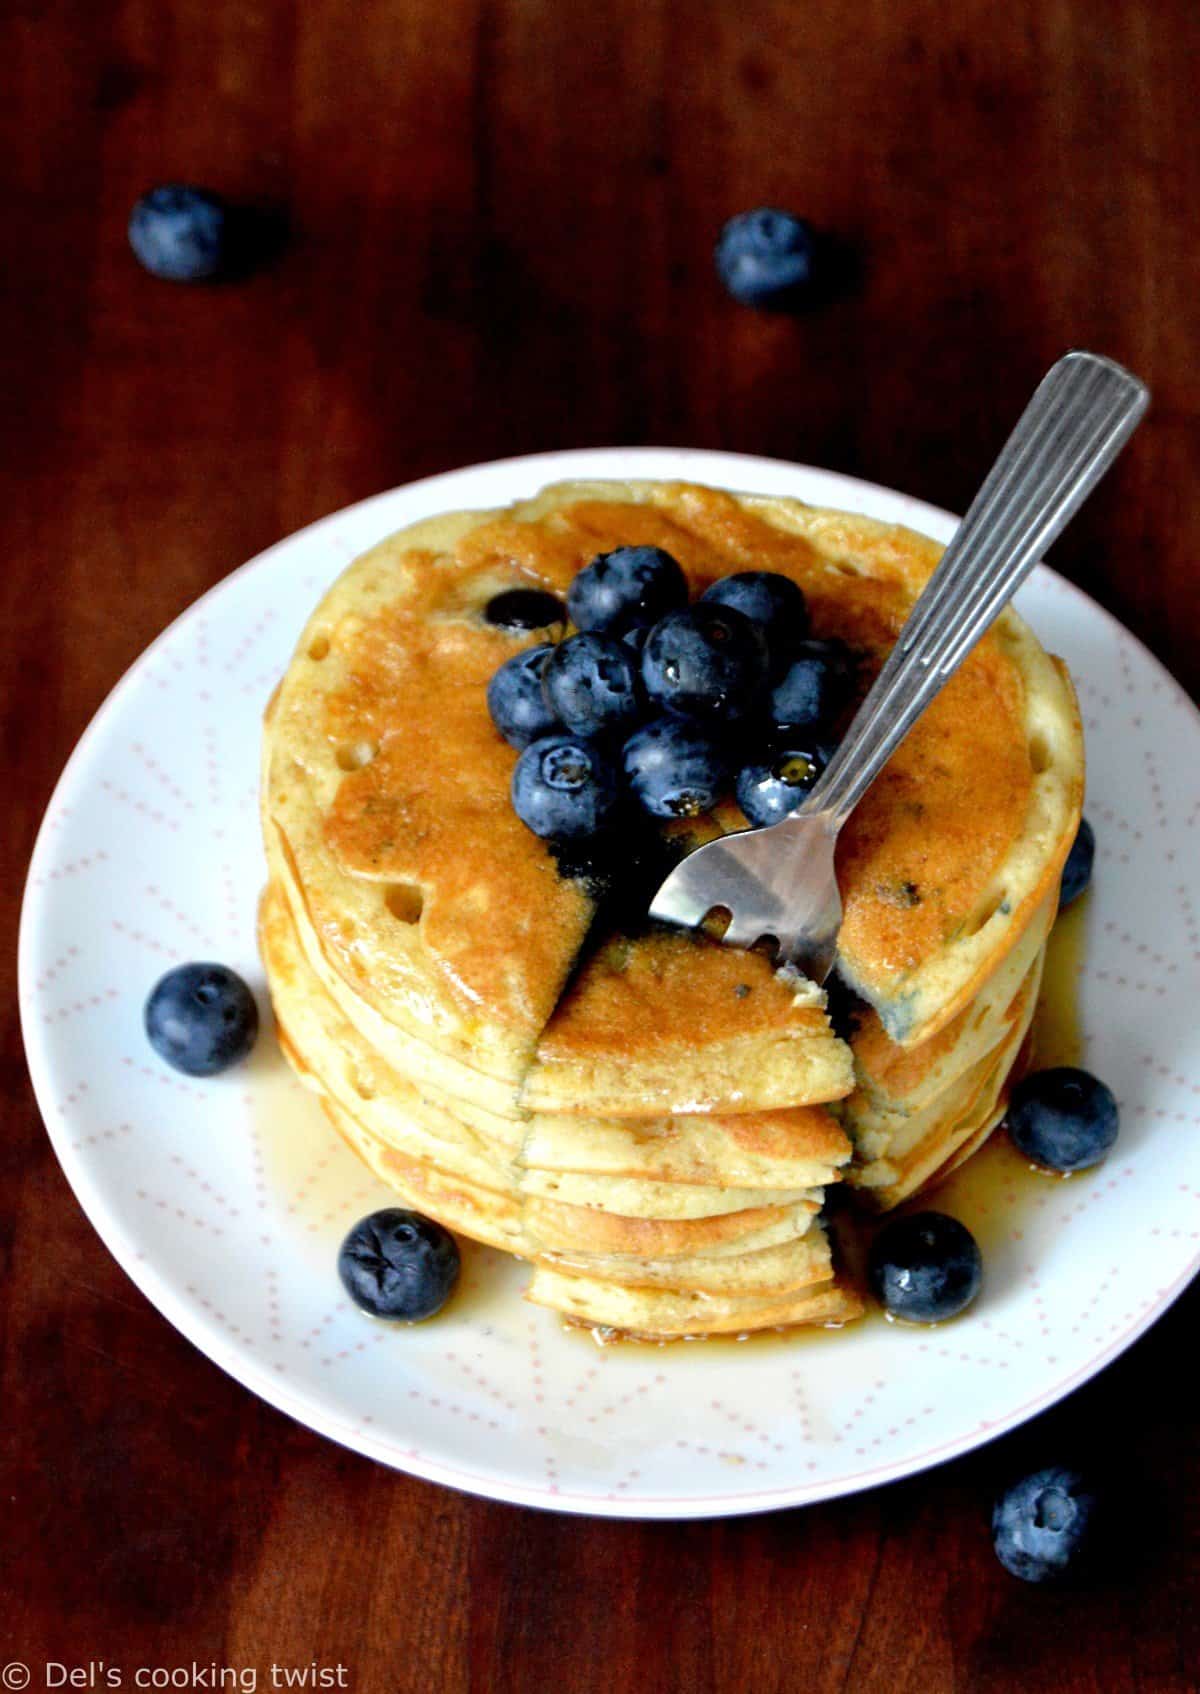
[1081, 415]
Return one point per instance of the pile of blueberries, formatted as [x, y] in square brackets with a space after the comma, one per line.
[663, 704]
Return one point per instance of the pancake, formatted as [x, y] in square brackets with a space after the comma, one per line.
[906, 1079]
[912, 1161]
[446, 916]
[644, 1114]
[653, 1314]
[874, 1128]
[794, 1148]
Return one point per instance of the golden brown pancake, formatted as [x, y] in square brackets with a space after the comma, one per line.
[613, 1101]
[941, 867]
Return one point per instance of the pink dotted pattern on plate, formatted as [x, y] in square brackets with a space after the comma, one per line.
[226, 1200]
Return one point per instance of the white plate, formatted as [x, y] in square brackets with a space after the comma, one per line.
[225, 1201]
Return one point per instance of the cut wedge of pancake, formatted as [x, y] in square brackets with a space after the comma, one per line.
[671, 1023]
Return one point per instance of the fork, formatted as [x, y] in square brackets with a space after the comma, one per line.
[778, 884]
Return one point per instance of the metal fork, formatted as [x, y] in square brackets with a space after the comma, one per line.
[778, 883]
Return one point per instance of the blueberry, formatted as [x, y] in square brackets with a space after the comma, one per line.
[1077, 872]
[773, 602]
[774, 787]
[525, 608]
[814, 687]
[397, 1264]
[201, 1019]
[925, 1268]
[516, 699]
[1044, 1523]
[564, 788]
[591, 685]
[767, 258]
[181, 234]
[1065, 1119]
[624, 589]
[675, 769]
[706, 662]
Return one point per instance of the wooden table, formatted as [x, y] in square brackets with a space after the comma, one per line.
[503, 213]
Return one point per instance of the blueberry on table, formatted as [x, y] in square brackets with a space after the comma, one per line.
[767, 258]
[705, 662]
[516, 700]
[525, 609]
[1065, 1119]
[564, 788]
[924, 1268]
[1044, 1524]
[772, 788]
[591, 685]
[397, 1264]
[774, 602]
[814, 686]
[201, 1019]
[1077, 872]
[181, 234]
[675, 769]
[629, 588]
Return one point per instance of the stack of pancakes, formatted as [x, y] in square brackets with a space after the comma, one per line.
[651, 1119]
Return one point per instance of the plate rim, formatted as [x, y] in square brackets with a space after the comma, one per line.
[711, 465]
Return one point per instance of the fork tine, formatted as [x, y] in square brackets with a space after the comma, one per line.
[743, 931]
[675, 901]
[813, 956]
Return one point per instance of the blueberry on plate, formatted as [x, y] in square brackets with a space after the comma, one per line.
[591, 685]
[564, 788]
[774, 602]
[924, 1268]
[397, 1264]
[1077, 872]
[772, 788]
[201, 1019]
[180, 233]
[675, 769]
[1044, 1524]
[516, 700]
[767, 258]
[814, 687]
[525, 609]
[1064, 1119]
[705, 662]
[625, 589]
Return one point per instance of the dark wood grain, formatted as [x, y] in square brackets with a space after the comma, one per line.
[502, 214]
